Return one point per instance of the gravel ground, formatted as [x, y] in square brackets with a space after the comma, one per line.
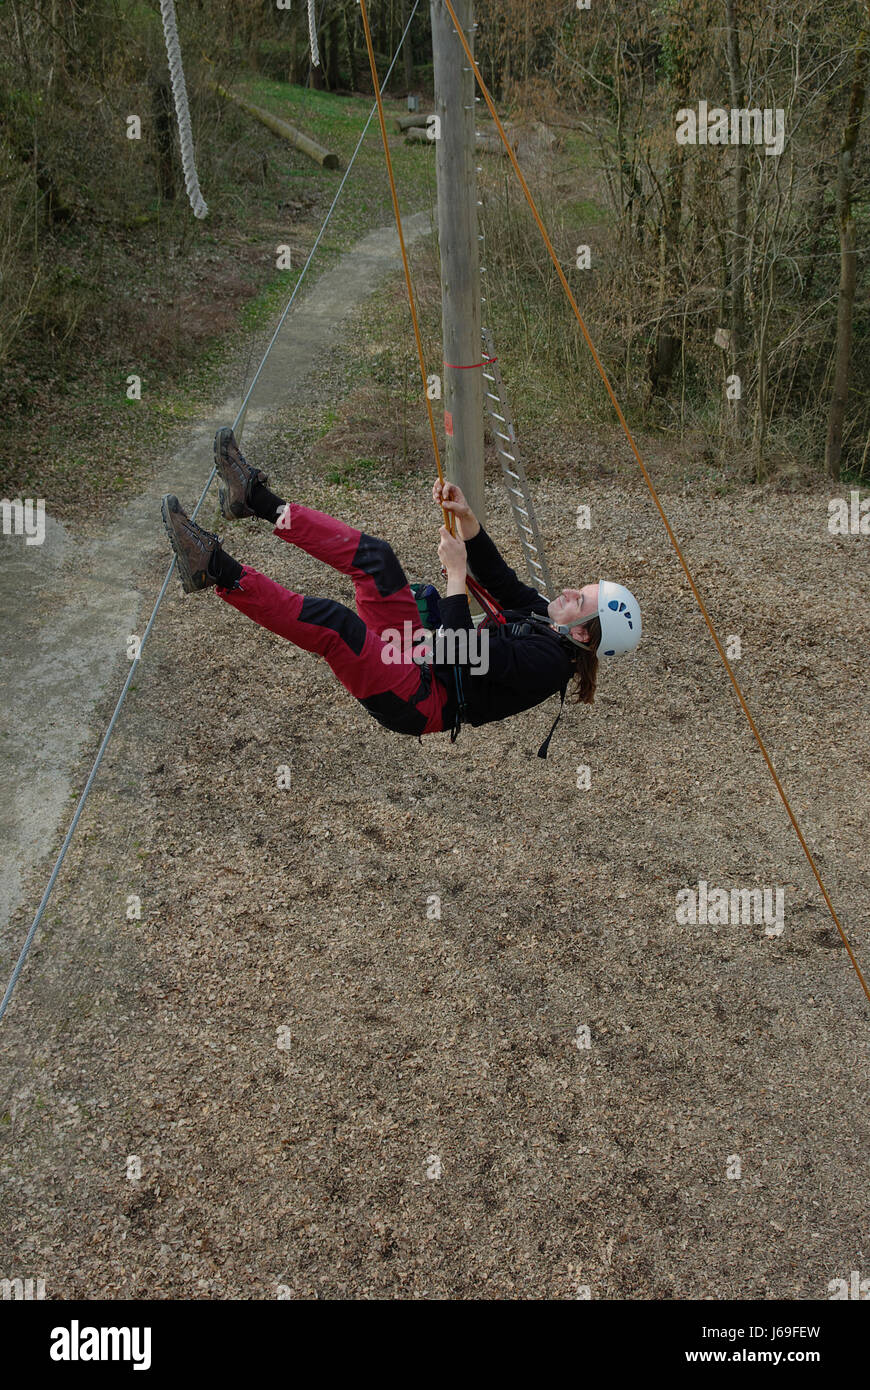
[334, 1091]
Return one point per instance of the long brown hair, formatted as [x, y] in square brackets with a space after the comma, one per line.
[585, 675]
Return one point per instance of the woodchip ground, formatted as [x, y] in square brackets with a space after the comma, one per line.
[429, 1126]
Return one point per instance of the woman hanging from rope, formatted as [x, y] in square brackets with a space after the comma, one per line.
[528, 650]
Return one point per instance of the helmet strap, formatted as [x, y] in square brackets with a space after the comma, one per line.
[565, 630]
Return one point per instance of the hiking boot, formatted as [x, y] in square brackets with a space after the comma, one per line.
[194, 548]
[238, 475]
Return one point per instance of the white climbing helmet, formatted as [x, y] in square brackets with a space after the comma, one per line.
[619, 615]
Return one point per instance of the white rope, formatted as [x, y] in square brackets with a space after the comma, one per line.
[182, 111]
[312, 35]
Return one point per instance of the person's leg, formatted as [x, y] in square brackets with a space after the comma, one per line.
[353, 651]
[317, 625]
[383, 598]
[399, 694]
[414, 699]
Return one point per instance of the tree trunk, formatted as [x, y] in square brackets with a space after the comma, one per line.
[486, 144]
[759, 437]
[293, 73]
[163, 113]
[296, 137]
[815, 223]
[315, 74]
[57, 54]
[667, 344]
[350, 14]
[408, 48]
[333, 80]
[738, 231]
[848, 258]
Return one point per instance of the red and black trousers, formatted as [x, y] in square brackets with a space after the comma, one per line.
[402, 695]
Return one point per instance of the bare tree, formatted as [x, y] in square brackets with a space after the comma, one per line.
[848, 254]
[740, 208]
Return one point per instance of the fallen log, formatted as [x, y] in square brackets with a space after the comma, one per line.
[485, 143]
[297, 138]
[415, 118]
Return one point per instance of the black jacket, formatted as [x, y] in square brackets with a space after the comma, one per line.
[524, 668]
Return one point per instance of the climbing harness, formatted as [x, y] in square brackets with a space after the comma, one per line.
[428, 605]
[531, 622]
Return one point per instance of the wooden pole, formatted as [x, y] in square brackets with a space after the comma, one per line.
[462, 379]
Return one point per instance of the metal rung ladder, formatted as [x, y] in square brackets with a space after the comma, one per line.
[520, 498]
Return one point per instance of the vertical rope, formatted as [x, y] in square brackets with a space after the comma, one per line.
[449, 519]
[182, 110]
[312, 34]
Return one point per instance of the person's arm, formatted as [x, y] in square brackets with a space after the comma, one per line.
[455, 612]
[483, 557]
[495, 574]
[451, 498]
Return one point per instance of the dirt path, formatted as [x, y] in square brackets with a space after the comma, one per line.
[70, 604]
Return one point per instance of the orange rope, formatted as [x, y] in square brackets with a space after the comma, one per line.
[648, 480]
[449, 521]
